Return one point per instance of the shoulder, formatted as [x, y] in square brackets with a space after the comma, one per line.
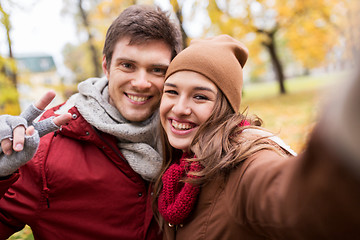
[255, 133]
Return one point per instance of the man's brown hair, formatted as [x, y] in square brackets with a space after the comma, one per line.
[142, 23]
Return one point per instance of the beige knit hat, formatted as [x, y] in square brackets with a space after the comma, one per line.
[220, 59]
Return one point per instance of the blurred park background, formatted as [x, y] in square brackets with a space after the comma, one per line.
[298, 49]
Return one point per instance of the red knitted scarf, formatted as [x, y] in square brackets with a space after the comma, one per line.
[177, 199]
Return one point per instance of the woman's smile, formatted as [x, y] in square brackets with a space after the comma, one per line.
[187, 102]
[180, 127]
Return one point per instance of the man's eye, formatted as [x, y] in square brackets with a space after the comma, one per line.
[126, 65]
[159, 71]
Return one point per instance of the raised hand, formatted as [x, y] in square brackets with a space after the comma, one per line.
[15, 135]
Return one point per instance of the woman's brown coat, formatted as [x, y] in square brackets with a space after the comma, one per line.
[273, 197]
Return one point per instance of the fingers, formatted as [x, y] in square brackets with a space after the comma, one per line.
[35, 110]
[18, 138]
[11, 162]
[11, 127]
[30, 131]
[62, 119]
[46, 126]
[45, 100]
[6, 146]
[51, 124]
[18, 141]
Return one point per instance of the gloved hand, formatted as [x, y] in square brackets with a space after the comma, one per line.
[18, 146]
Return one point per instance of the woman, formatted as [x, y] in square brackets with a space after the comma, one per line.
[224, 177]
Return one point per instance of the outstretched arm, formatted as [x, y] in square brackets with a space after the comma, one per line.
[19, 135]
[315, 195]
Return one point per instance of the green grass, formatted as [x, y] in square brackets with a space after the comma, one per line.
[292, 116]
[293, 85]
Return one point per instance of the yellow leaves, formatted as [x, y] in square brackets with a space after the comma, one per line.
[105, 12]
[285, 9]
[8, 97]
[8, 63]
[311, 37]
[78, 59]
[175, 5]
[5, 20]
[4, 62]
[308, 28]
[214, 12]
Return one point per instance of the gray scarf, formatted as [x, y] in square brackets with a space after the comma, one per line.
[139, 142]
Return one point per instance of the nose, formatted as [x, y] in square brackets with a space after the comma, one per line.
[140, 82]
[181, 107]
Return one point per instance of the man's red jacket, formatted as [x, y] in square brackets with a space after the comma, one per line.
[77, 186]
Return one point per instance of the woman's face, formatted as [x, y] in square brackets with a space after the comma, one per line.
[187, 102]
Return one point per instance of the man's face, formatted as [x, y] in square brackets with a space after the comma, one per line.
[136, 77]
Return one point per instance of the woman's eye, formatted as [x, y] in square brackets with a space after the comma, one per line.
[172, 92]
[201, 97]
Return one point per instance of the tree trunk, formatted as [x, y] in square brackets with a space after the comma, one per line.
[183, 33]
[278, 67]
[13, 73]
[94, 54]
[178, 12]
[7, 25]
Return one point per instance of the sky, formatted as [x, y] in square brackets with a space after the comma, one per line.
[39, 27]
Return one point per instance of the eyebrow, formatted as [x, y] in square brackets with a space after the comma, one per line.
[196, 88]
[169, 84]
[124, 59]
[204, 89]
[160, 65]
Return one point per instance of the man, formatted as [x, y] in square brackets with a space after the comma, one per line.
[91, 178]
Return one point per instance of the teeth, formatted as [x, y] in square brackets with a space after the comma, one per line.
[137, 98]
[180, 126]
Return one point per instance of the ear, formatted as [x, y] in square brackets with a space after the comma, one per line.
[104, 67]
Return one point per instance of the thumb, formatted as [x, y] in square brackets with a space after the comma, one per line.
[34, 110]
[30, 131]
[45, 126]
[51, 124]
[62, 119]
